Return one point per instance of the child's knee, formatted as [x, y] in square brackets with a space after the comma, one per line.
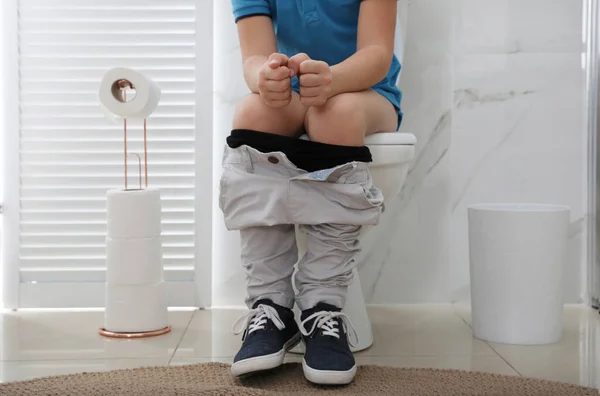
[254, 114]
[251, 113]
[340, 121]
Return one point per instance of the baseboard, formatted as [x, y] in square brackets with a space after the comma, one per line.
[91, 294]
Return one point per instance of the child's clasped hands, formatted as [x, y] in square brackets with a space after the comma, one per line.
[275, 80]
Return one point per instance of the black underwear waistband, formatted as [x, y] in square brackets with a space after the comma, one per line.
[307, 155]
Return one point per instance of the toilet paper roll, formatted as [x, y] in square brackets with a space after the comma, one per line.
[133, 213]
[134, 261]
[147, 95]
[115, 119]
[136, 308]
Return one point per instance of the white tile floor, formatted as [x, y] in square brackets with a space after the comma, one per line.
[35, 344]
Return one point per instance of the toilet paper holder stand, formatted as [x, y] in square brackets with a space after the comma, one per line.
[123, 85]
[145, 334]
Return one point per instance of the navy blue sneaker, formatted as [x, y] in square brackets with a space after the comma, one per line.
[269, 332]
[328, 359]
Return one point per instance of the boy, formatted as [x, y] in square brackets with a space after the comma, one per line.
[327, 68]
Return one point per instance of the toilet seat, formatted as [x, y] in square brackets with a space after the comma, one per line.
[391, 139]
[386, 139]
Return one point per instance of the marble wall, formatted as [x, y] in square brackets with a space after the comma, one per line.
[494, 90]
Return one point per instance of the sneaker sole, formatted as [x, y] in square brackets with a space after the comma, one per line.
[266, 362]
[328, 377]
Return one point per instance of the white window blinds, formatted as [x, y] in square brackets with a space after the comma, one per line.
[70, 155]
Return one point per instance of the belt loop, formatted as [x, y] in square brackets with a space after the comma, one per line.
[247, 158]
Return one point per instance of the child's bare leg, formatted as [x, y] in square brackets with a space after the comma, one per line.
[347, 118]
[252, 113]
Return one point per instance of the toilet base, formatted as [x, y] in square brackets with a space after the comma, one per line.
[357, 313]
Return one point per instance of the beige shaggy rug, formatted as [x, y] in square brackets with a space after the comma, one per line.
[215, 379]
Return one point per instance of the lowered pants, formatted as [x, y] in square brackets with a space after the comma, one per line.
[265, 195]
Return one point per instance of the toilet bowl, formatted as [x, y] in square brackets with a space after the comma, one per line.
[393, 154]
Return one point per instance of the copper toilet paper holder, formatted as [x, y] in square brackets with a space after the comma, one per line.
[123, 85]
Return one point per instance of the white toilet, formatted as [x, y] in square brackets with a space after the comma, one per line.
[392, 154]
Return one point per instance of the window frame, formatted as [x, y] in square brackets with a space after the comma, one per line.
[9, 238]
[11, 292]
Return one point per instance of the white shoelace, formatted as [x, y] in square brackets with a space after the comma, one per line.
[327, 322]
[256, 319]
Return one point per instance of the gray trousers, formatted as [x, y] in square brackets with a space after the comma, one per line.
[265, 195]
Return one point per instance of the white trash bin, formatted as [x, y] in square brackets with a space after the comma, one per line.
[517, 258]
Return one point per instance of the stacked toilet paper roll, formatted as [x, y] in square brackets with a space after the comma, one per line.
[135, 289]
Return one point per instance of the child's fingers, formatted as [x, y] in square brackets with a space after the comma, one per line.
[278, 86]
[285, 95]
[276, 60]
[310, 92]
[278, 74]
[278, 103]
[311, 80]
[313, 67]
[295, 61]
[313, 101]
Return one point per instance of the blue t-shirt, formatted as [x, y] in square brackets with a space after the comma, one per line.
[326, 30]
